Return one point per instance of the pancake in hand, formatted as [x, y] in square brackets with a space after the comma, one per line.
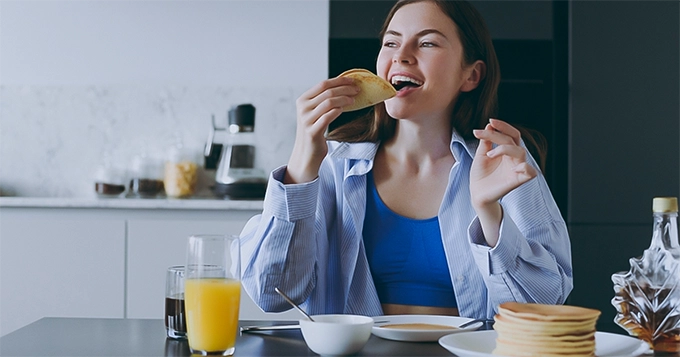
[374, 89]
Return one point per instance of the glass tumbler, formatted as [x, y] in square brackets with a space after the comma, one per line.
[175, 317]
[212, 293]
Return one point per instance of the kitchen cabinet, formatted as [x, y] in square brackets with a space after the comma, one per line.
[84, 259]
[60, 266]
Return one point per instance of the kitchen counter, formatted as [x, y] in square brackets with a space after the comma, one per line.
[131, 203]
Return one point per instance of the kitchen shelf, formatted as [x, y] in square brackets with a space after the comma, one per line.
[131, 203]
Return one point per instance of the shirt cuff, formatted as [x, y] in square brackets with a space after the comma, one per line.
[290, 202]
[500, 258]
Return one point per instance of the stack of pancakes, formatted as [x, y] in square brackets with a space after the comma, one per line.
[545, 330]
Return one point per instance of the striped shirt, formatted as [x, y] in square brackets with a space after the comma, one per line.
[308, 241]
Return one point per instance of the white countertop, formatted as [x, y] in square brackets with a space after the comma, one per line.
[130, 203]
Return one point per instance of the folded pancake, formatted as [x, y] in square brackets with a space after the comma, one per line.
[374, 89]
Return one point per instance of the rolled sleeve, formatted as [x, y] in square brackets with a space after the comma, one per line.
[290, 202]
[503, 256]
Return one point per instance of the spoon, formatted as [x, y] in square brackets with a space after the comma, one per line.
[294, 304]
[472, 322]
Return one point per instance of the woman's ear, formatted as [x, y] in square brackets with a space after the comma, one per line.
[475, 74]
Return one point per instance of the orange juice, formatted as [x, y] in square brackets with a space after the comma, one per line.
[212, 313]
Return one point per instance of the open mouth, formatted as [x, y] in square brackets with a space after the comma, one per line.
[401, 82]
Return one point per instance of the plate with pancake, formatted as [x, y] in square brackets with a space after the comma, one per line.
[419, 328]
[482, 344]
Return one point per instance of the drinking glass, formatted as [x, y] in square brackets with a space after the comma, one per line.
[175, 317]
[212, 293]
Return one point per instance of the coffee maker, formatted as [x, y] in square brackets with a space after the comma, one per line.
[236, 176]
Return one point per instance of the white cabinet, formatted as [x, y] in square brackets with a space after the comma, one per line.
[60, 266]
[101, 262]
[156, 244]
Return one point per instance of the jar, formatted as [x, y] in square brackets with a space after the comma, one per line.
[109, 181]
[181, 173]
[146, 177]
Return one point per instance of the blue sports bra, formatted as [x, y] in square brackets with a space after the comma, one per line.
[406, 256]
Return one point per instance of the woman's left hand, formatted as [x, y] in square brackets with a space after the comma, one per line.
[497, 171]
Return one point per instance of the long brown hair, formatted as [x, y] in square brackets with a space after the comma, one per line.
[473, 109]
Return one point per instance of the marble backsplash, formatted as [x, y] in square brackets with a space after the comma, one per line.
[53, 139]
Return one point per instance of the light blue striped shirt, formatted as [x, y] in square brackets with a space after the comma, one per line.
[308, 241]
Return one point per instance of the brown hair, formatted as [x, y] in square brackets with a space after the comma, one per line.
[472, 109]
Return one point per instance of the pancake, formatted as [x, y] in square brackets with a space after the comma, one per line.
[419, 326]
[528, 330]
[374, 89]
[544, 312]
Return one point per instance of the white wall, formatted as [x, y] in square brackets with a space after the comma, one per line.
[81, 81]
[228, 43]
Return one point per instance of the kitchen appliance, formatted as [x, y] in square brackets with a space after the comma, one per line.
[236, 176]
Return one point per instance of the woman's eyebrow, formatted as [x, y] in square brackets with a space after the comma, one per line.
[429, 31]
[420, 33]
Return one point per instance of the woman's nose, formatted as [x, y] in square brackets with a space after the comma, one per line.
[403, 55]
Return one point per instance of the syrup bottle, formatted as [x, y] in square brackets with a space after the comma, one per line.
[647, 298]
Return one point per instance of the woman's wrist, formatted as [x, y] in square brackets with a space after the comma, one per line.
[490, 217]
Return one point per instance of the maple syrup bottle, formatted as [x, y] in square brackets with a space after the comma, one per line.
[647, 298]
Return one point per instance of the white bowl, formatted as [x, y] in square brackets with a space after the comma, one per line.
[335, 335]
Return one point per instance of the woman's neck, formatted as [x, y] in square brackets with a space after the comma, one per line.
[419, 142]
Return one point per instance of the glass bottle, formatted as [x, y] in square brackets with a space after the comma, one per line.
[647, 298]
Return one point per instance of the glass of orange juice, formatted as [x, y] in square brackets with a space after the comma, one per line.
[212, 293]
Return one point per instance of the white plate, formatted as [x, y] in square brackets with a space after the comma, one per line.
[482, 343]
[416, 334]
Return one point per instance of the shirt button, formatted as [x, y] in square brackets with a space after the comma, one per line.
[460, 278]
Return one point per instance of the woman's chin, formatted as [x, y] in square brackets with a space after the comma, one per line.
[397, 110]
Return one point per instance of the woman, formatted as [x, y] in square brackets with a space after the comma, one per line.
[414, 211]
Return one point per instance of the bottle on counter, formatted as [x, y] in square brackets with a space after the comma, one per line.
[146, 177]
[647, 297]
[109, 181]
[181, 172]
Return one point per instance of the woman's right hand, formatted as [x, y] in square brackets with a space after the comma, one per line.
[316, 109]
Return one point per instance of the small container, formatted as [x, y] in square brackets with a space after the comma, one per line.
[146, 180]
[181, 172]
[175, 316]
[109, 182]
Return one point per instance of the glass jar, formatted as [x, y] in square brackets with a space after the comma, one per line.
[647, 297]
[109, 181]
[181, 173]
[146, 177]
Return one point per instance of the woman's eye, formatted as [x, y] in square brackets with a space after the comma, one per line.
[428, 44]
[389, 44]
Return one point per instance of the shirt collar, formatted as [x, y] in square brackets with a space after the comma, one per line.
[356, 151]
[367, 150]
[462, 148]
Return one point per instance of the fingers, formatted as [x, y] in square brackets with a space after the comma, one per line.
[491, 134]
[331, 89]
[514, 151]
[322, 103]
[525, 172]
[507, 129]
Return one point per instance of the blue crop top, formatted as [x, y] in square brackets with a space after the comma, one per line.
[406, 256]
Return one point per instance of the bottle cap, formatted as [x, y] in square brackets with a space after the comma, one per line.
[665, 204]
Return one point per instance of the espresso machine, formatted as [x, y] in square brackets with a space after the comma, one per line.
[236, 176]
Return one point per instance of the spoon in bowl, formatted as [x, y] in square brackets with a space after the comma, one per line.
[294, 304]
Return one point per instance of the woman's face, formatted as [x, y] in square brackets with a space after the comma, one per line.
[422, 56]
